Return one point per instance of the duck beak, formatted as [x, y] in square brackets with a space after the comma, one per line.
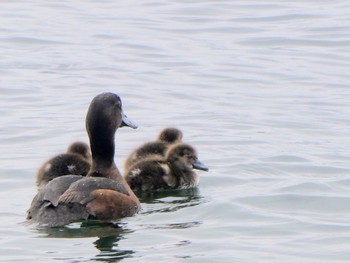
[127, 122]
[200, 166]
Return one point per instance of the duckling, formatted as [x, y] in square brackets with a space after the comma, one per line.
[101, 195]
[80, 148]
[174, 171]
[76, 160]
[158, 148]
[170, 135]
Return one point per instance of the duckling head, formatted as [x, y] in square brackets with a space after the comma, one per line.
[170, 135]
[184, 157]
[81, 149]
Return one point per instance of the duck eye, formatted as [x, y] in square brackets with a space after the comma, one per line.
[117, 104]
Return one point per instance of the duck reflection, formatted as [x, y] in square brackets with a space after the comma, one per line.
[108, 235]
[109, 250]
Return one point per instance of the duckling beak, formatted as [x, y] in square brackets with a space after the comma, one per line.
[200, 166]
[127, 122]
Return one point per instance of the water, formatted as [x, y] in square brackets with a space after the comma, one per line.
[261, 89]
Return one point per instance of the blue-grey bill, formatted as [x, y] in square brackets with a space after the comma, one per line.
[200, 166]
[127, 122]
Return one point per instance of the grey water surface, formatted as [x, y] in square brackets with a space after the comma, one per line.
[260, 88]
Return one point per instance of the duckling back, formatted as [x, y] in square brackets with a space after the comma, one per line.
[147, 175]
[76, 161]
[157, 148]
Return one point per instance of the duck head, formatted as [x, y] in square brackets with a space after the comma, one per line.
[105, 115]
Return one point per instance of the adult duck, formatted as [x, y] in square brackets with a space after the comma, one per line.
[103, 194]
[76, 161]
[174, 171]
[166, 137]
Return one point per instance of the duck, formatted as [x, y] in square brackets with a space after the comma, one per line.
[174, 171]
[103, 194]
[166, 137]
[76, 161]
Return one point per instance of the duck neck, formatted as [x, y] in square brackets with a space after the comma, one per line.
[102, 150]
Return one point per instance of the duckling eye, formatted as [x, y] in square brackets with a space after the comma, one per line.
[191, 157]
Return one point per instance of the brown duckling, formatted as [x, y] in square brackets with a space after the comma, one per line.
[158, 148]
[174, 171]
[103, 194]
[80, 148]
[77, 161]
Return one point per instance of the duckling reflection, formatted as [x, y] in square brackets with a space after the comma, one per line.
[170, 201]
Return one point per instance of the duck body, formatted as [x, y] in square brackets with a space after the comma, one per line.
[73, 198]
[103, 194]
[77, 161]
[174, 171]
[167, 137]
